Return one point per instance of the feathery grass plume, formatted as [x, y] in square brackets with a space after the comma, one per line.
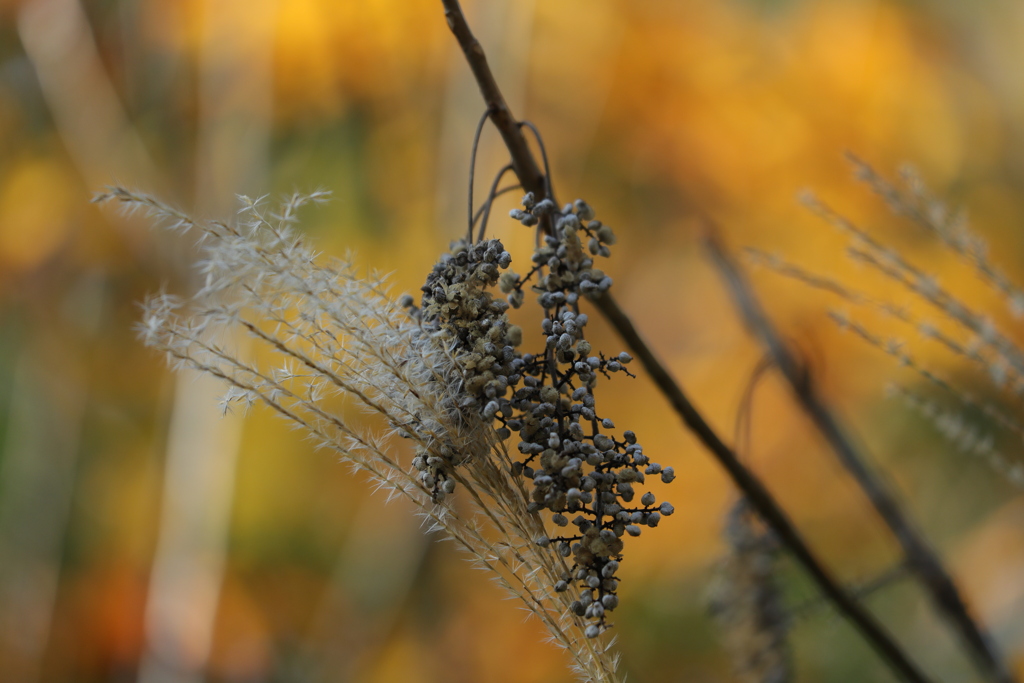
[747, 603]
[968, 335]
[335, 333]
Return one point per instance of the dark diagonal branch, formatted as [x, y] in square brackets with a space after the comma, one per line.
[921, 559]
[523, 163]
[532, 180]
[760, 498]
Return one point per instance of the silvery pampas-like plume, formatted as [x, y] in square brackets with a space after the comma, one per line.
[986, 350]
[331, 333]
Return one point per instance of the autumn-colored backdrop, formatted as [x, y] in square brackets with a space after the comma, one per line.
[143, 536]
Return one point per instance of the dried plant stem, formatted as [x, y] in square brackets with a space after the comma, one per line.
[532, 180]
[759, 496]
[923, 561]
[523, 162]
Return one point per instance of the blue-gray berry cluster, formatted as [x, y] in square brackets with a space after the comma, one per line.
[457, 303]
[583, 474]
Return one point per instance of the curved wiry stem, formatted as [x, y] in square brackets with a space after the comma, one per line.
[533, 180]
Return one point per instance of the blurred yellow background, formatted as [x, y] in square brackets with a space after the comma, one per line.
[144, 538]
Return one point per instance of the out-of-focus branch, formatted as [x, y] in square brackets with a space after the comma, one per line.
[200, 469]
[39, 463]
[86, 110]
[533, 180]
[921, 559]
[80, 94]
[759, 496]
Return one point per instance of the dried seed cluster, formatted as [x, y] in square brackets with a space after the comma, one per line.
[748, 603]
[579, 468]
[457, 303]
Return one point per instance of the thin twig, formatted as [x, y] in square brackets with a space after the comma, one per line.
[861, 591]
[492, 194]
[922, 560]
[523, 163]
[472, 169]
[549, 188]
[533, 180]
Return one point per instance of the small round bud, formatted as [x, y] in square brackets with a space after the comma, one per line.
[583, 210]
[569, 225]
[668, 474]
[507, 282]
[632, 530]
[605, 234]
[514, 335]
[544, 207]
[627, 476]
[666, 509]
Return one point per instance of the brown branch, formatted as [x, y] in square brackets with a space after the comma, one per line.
[760, 498]
[523, 162]
[921, 559]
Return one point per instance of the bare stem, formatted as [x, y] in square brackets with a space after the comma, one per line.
[922, 560]
[532, 180]
[759, 496]
[523, 162]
